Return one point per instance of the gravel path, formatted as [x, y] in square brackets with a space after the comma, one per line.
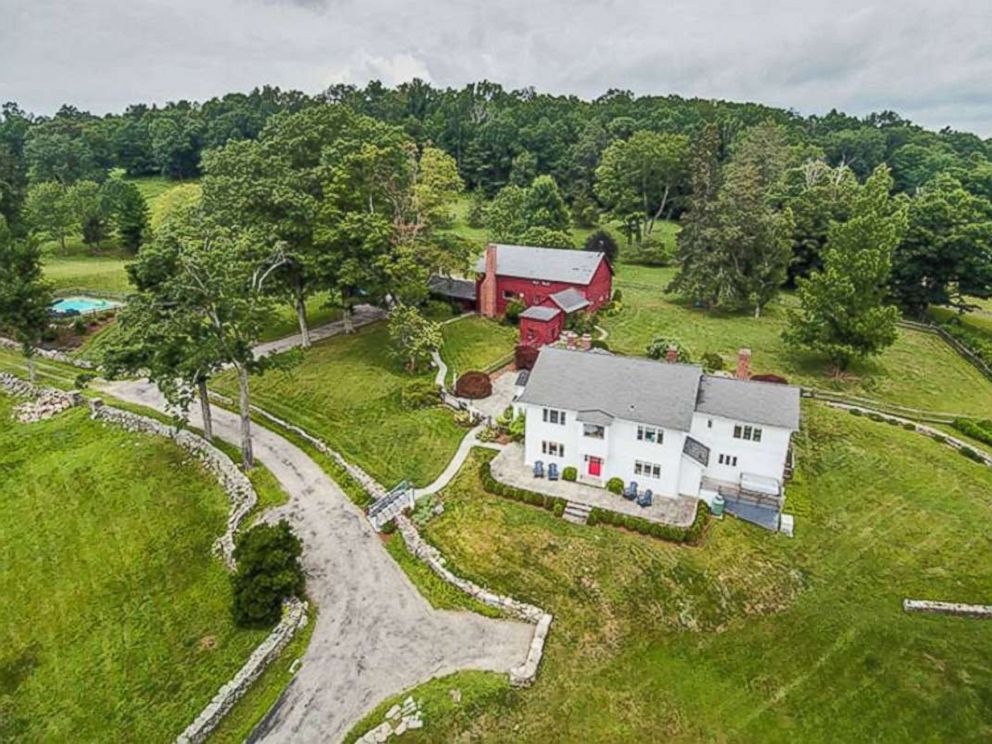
[363, 315]
[375, 634]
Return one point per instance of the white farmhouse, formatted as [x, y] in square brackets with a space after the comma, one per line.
[665, 426]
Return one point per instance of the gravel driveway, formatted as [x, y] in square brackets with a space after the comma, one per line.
[375, 634]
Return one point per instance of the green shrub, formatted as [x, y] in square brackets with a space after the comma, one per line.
[940, 438]
[650, 252]
[513, 309]
[893, 422]
[569, 473]
[493, 486]
[617, 295]
[855, 411]
[83, 379]
[876, 416]
[269, 571]
[615, 485]
[389, 527]
[974, 429]
[517, 427]
[420, 394]
[712, 362]
[689, 535]
[909, 426]
[658, 349]
[79, 327]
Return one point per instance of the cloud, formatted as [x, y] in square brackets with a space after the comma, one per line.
[929, 61]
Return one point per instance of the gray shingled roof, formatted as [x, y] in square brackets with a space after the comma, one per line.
[755, 402]
[544, 264]
[570, 300]
[462, 289]
[539, 312]
[640, 390]
[595, 416]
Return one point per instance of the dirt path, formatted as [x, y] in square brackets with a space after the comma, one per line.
[375, 634]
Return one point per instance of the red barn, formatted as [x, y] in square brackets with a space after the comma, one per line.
[551, 282]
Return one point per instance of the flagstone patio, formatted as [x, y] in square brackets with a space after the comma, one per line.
[508, 467]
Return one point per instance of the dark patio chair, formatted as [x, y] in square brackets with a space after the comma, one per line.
[539, 469]
[644, 499]
[552, 471]
[631, 491]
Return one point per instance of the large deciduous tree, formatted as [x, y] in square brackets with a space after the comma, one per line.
[946, 255]
[414, 337]
[49, 212]
[535, 215]
[25, 298]
[637, 178]
[844, 314]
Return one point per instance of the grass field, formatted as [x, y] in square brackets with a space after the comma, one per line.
[978, 321]
[476, 343]
[108, 576]
[919, 371]
[752, 636]
[346, 390]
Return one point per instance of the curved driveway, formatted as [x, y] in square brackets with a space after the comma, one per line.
[375, 634]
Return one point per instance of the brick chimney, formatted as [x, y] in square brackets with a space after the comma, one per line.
[487, 287]
[671, 354]
[744, 364]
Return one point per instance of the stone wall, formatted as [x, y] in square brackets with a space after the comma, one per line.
[16, 387]
[42, 403]
[948, 608]
[526, 673]
[239, 489]
[294, 617]
[50, 354]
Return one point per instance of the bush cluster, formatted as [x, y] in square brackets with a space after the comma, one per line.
[712, 362]
[269, 571]
[980, 430]
[419, 394]
[493, 486]
[569, 474]
[513, 310]
[690, 535]
[474, 385]
[658, 349]
[650, 252]
[615, 485]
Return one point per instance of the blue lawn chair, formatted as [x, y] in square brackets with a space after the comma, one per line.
[644, 499]
[538, 469]
[552, 471]
[631, 492]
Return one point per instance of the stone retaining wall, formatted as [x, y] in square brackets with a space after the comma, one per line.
[239, 489]
[42, 403]
[526, 673]
[50, 354]
[948, 608]
[18, 388]
[294, 617]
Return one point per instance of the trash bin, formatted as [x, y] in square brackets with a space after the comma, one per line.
[717, 507]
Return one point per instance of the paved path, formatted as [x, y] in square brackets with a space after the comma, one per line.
[471, 440]
[375, 634]
[363, 315]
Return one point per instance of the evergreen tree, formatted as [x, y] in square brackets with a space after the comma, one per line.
[843, 312]
[25, 297]
[129, 212]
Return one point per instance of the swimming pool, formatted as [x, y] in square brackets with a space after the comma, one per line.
[82, 305]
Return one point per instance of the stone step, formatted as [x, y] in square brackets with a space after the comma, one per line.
[576, 513]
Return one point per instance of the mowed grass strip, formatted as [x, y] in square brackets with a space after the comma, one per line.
[919, 370]
[346, 391]
[752, 636]
[476, 343]
[116, 620]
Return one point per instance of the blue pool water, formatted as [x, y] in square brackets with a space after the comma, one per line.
[82, 305]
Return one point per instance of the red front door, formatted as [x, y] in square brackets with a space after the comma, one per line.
[595, 466]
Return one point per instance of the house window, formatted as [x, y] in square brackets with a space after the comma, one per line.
[647, 469]
[650, 434]
[553, 416]
[730, 460]
[553, 449]
[591, 430]
[747, 433]
[509, 294]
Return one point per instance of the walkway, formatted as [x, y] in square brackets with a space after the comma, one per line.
[464, 449]
[508, 467]
[375, 635]
[363, 315]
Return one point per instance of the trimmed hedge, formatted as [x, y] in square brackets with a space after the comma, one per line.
[474, 385]
[615, 485]
[569, 474]
[493, 486]
[689, 535]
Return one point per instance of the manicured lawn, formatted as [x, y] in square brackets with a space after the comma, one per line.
[476, 343]
[284, 322]
[920, 370]
[52, 374]
[346, 390]
[80, 268]
[115, 614]
[752, 636]
[978, 321]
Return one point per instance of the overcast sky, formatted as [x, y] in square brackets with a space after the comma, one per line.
[931, 60]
